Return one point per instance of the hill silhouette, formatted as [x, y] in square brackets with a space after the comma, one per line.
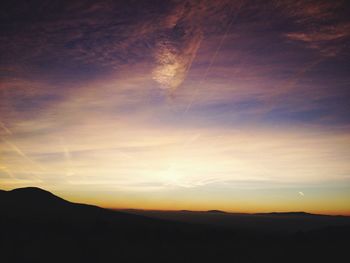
[38, 226]
[216, 211]
[33, 203]
[288, 214]
[264, 223]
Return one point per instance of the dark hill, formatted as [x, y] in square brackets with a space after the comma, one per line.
[33, 193]
[287, 214]
[37, 204]
[37, 226]
[216, 211]
[31, 196]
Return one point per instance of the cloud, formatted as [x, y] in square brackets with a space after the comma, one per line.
[325, 39]
[174, 63]
[81, 34]
[177, 48]
[130, 152]
[59, 67]
[93, 38]
[330, 33]
[306, 11]
[319, 25]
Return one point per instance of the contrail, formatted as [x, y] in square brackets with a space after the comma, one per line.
[67, 157]
[214, 55]
[7, 171]
[21, 153]
[17, 150]
[7, 130]
[290, 83]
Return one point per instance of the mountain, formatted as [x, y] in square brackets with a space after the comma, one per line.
[37, 204]
[287, 214]
[216, 211]
[23, 198]
[268, 223]
[38, 226]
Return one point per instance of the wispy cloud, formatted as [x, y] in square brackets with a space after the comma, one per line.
[7, 131]
[324, 39]
[174, 63]
[320, 25]
[177, 48]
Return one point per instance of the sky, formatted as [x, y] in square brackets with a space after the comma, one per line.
[241, 106]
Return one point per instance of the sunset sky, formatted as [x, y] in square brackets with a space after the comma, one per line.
[241, 106]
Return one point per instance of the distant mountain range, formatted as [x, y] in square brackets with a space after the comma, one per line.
[38, 226]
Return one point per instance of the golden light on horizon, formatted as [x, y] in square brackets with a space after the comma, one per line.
[189, 169]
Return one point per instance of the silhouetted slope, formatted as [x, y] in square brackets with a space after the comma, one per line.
[37, 226]
[288, 214]
[37, 204]
[216, 211]
[281, 223]
[31, 198]
[34, 193]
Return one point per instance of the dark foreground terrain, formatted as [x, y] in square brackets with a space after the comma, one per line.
[37, 226]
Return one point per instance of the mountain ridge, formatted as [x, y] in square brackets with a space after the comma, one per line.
[33, 230]
[32, 193]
